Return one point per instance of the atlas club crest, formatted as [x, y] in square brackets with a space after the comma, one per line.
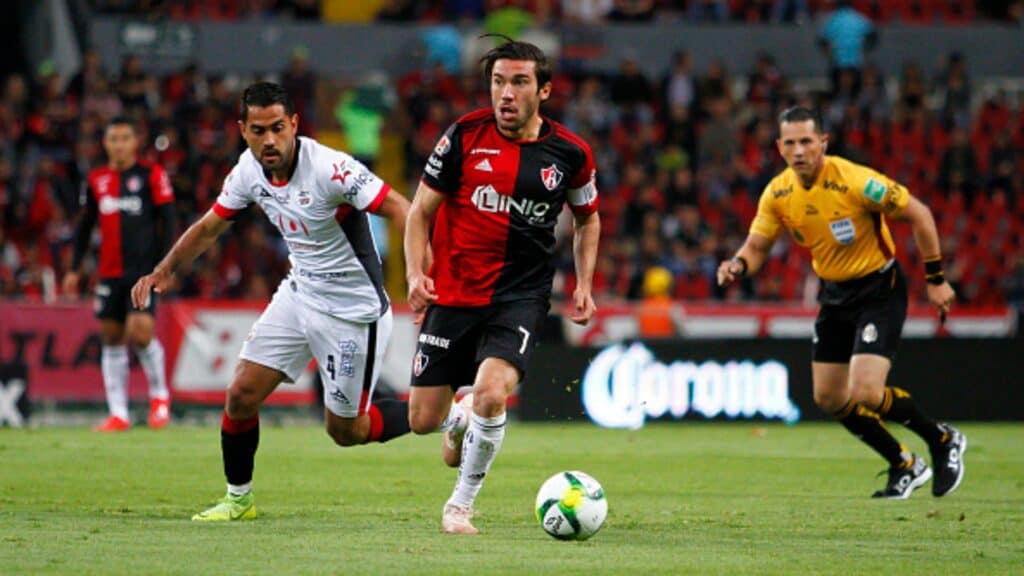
[551, 177]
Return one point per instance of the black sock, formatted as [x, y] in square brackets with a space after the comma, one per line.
[898, 406]
[238, 442]
[867, 426]
[388, 419]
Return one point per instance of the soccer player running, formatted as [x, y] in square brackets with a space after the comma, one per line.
[492, 190]
[332, 306]
[134, 204]
[837, 209]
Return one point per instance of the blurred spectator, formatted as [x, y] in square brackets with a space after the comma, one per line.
[845, 35]
[795, 11]
[632, 11]
[586, 11]
[632, 92]
[301, 86]
[360, 112]
[959, 165]
[708, 11]
[399, 11]
[678, 87]
[955, 85]
[508, 18]
[133, 86]
[658, 311]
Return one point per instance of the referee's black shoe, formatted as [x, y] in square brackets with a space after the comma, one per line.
[948, 460]
[904, 479]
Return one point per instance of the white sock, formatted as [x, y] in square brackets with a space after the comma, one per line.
[152, 359]
[455, 421]
[480, 446]
[240, 490]
[114, 362]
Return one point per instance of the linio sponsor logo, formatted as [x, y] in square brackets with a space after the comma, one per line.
[624, 386]
[487, 199]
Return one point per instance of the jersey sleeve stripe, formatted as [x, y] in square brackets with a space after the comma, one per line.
[223, 211]
[584, 209]
[379, 200]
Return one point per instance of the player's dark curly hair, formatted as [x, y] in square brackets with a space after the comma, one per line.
[263, 94]
[515, 50]
[802, 114]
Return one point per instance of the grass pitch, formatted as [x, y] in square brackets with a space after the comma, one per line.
[694, 498]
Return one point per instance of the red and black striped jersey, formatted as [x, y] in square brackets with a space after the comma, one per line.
[128, 205]
[494, 236]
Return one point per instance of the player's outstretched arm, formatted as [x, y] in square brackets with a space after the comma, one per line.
[747, 261]
[196, 240]
[586, 236]
[417, 246]
[926, 236]
[395, 208]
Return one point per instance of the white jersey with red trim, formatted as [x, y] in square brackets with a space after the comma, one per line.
[321, 213]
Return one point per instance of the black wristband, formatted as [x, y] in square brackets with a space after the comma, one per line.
[743, 261]
[933, 272]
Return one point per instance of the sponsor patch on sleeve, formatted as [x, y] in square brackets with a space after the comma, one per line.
[875, 190]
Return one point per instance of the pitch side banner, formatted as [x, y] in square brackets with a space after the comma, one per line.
[60, 347]
[625, 385]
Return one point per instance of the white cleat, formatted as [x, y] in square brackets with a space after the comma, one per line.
[451, 442]
[457, 520]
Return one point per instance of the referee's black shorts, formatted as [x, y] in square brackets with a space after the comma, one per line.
[861, 316]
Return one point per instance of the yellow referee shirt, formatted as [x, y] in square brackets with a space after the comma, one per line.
[840, 219]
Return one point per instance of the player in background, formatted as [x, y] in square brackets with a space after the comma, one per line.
[837, 209]
[332, 306]
[492, 190]
[134, 204]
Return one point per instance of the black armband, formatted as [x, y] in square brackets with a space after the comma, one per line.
[933, 273]
[743, 262]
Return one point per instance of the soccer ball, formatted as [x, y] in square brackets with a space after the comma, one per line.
[571, 506]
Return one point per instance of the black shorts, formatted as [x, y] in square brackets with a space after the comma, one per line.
[862, 316]
[114, 299]
[453, 341]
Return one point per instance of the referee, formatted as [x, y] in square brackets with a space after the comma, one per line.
[837, 210]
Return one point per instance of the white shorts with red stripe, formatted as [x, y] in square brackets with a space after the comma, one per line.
[348, 354]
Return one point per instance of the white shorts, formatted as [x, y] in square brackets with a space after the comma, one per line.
[348, 354]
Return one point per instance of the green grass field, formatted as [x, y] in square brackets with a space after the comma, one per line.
[696, 498]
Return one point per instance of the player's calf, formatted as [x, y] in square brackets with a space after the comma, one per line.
[384, 420]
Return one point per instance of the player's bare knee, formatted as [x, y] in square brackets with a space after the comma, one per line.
[830, 400]
[423, 422]
[241, 402]
[344, 435]
[867, 394]
[489, 399]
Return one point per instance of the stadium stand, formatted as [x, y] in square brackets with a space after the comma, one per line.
[682, 157]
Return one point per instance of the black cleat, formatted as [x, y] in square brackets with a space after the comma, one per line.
[903, 480]
[948, 459]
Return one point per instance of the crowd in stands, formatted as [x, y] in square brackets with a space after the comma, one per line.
[682, 160]
[544, 12]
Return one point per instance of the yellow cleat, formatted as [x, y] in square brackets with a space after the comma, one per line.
[229, 509]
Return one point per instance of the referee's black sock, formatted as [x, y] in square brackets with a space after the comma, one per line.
[388, 419]
[898, 406]
[867, 426]
[238, 442]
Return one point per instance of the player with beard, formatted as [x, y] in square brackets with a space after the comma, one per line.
[492, 191]
[331, 307]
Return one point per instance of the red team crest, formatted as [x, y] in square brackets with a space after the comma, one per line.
[419, 363]
[551, 176]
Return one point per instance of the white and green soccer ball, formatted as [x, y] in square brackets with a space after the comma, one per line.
[571, 506]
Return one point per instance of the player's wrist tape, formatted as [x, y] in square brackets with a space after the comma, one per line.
[742, 262]
[933, 272]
